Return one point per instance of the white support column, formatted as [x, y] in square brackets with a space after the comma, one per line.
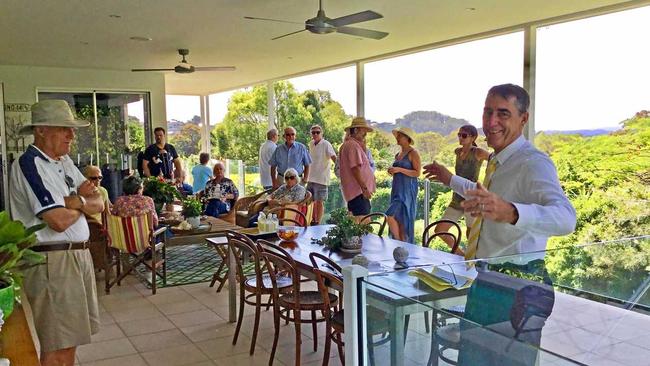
[207, 125]
[354, 303]
[361, 91]
[270, 102]
[530, 69]
[205, 138]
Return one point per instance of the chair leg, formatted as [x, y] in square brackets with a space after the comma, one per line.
[164, 257]
[225, 278]
[340, 347]
[241, 314]
[328, 343]
[258, 306]
[296, 315]
[216, 276]
[153, 270]
[276, 331]
[314, 330]
[107, 272]
[119, 268]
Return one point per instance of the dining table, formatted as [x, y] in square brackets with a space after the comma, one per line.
[388, 286]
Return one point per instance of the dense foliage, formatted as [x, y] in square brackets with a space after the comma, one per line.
[344, 229]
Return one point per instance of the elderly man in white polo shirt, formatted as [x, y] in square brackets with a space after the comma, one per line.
[321, 152]
[46, 187]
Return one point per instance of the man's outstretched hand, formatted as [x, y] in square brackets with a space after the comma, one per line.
[435, 171]
[488, 204]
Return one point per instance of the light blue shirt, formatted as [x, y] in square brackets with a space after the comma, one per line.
[201, 175]
[297, 157]
[527, 178]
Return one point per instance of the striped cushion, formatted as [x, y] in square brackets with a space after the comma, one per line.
[128, 234]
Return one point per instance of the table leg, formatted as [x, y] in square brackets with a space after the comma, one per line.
[397, 335]
[232, 287]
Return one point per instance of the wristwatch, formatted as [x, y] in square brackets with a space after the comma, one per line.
[82, 200]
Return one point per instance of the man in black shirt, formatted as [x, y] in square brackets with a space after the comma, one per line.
[160, 159]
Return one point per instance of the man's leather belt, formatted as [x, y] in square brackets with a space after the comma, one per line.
[60, 246]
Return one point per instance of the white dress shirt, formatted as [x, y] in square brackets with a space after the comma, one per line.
[266, 152]
[527, 178]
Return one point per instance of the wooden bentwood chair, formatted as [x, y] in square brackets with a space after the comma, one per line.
[377, 219]
[280, 264]
[254, 286]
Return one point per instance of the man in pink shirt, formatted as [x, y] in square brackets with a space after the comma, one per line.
[357, 178]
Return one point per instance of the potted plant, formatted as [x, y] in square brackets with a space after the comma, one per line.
[192, 209]
[160, 191]
[345, 234]
[15, 256]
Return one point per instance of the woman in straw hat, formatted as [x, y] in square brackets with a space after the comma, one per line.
[469, 158]
[403, 196]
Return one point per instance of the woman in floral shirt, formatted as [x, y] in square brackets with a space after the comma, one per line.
[220, 192]
[133, 203]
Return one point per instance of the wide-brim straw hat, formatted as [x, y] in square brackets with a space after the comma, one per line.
[406, 132]
[54, 113]
[359, 122]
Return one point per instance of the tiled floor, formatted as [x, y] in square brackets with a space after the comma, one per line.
[185, 325]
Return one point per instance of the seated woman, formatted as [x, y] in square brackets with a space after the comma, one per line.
[287, 195]
[220, 192]
[133, 203]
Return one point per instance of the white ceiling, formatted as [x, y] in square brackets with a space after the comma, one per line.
[81, 34]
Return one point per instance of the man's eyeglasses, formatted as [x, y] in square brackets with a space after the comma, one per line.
[463, 135]
[291, 177]
[96, 178]
[315, 132]
[290, 134]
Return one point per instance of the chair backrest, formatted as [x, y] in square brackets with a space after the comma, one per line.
[328, 275]
[128, 234]
[290, 215]
[429, 233]
[376, 219]
[244, 248]
[279, 261]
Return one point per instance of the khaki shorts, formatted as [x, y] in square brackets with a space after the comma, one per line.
[63, 297]
[455, 214]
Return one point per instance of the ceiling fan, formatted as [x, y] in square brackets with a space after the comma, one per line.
[321, 24]
[185, 67]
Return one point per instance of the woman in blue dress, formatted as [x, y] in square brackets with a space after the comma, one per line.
[403, 196]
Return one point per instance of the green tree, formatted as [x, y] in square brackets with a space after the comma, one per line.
[188, 140]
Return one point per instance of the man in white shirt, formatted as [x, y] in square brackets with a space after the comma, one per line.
[321, 152]
[46, 187]
[266, 152]
[524, 203]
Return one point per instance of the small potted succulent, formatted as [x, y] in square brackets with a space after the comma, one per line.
[192, 209]
[15, 256]
[160, 191]
[345, 234]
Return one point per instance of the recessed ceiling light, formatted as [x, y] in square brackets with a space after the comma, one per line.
[140, 38]
[114, 16]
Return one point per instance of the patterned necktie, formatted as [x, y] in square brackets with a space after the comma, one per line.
[475, 230]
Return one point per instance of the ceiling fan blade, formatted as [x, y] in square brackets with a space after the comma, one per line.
[273, 20]
[288, 34]
[137, 70]
[215, 68]
[360, 32]
[363, 16]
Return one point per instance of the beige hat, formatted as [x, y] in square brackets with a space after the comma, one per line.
[54, 113]
[358, 122]
[406, 132]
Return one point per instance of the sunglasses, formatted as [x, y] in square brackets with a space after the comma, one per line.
[290, 134]
[315, 132]
[463, 135]
[291, 177]
[96, 178]
[69, 182]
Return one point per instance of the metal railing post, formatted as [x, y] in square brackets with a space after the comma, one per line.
[427, 203]
[354, 303]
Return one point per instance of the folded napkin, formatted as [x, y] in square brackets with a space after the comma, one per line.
[440, 279]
